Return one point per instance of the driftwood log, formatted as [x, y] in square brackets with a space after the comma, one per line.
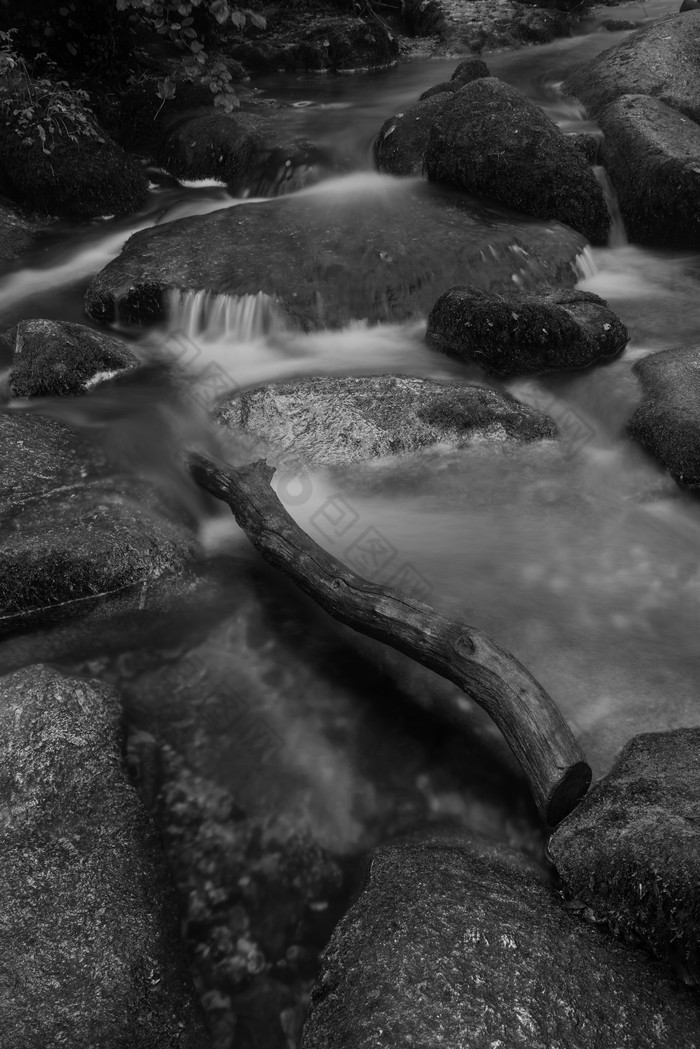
[526, 715]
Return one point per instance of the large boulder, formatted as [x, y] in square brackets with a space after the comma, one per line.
[652, 154]
[489, 139]
[366, 246]
[334, 44]
[321, 421]
[630, 851]
[519, 333]
[52, 358]
[78, 531]
[465, 942]
[90, 949]
[75, 171]
[660, 60]
[667, 422]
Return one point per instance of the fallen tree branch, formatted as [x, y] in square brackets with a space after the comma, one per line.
[528, 718]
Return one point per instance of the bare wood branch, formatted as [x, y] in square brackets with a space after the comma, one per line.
[532, 724]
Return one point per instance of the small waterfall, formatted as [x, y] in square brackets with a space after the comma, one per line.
[617, 237]
[234, 318]
[585, 264]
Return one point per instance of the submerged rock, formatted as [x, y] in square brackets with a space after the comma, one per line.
[365, 246]
[518, 333]
[52, 358]
[339, 420]
[90, 948]
[667, 423]
[652, 155]
[78, 532]
[490, 139]
[465, 940]
[660, 60]
[631, 849]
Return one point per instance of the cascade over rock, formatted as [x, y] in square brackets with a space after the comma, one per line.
[363, 247]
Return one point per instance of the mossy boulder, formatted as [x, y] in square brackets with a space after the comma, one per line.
[463, 939]
[652, 154]
[90, 949]
[660, 60]
[330, 44]
[363, 247]
[338, 420]
[667, 422]
[489, 139]
[630, 851]
[468, 70]
[53, 358]
[80, 174]
[17, 234]
[518, 333]
[80, 536]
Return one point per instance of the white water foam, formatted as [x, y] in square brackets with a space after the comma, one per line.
[235, 318]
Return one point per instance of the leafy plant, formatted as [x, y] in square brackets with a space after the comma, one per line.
[36, 108]
[177, 21]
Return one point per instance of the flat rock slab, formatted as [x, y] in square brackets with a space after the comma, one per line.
[90, 952]
[661, 60]
[457, 944]
[321, 421]
[631, 849]
[365, 246]
[667, 423]
[517, 333]
[490, 139]
[76, 530]
[53, 358]
[652, 155]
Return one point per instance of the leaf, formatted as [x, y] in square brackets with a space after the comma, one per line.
[259, 21]
[71, 49]
[238, 19]
[196, 47]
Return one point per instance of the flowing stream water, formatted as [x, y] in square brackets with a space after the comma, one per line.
[583, 563]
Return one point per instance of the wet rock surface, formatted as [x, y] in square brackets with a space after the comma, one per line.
[321, 421]
[490, 139]
[466, 939]
[400, 146]
[321, 44]
[652, 155]
[54, 358]
[90, 951]
[77, 530]
[631, 849]
[363, 247]
[518, 333]
[273, 754]
[472, 25]
[667, 423]
[660, 60]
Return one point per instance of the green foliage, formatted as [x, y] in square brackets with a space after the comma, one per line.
[176, 21]
[37, 108]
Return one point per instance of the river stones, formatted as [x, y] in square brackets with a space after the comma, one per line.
[78, 533]
[322, 421]
[463, 940]
[400, 146]
[90, 951]
[468, 70]
[364, 246]
[490, 139]
[667, 422]
[630, 851]
[518, 333]
[335, 44]
[660, 60]
[52, 358]
[652, 154]
[83, 174]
